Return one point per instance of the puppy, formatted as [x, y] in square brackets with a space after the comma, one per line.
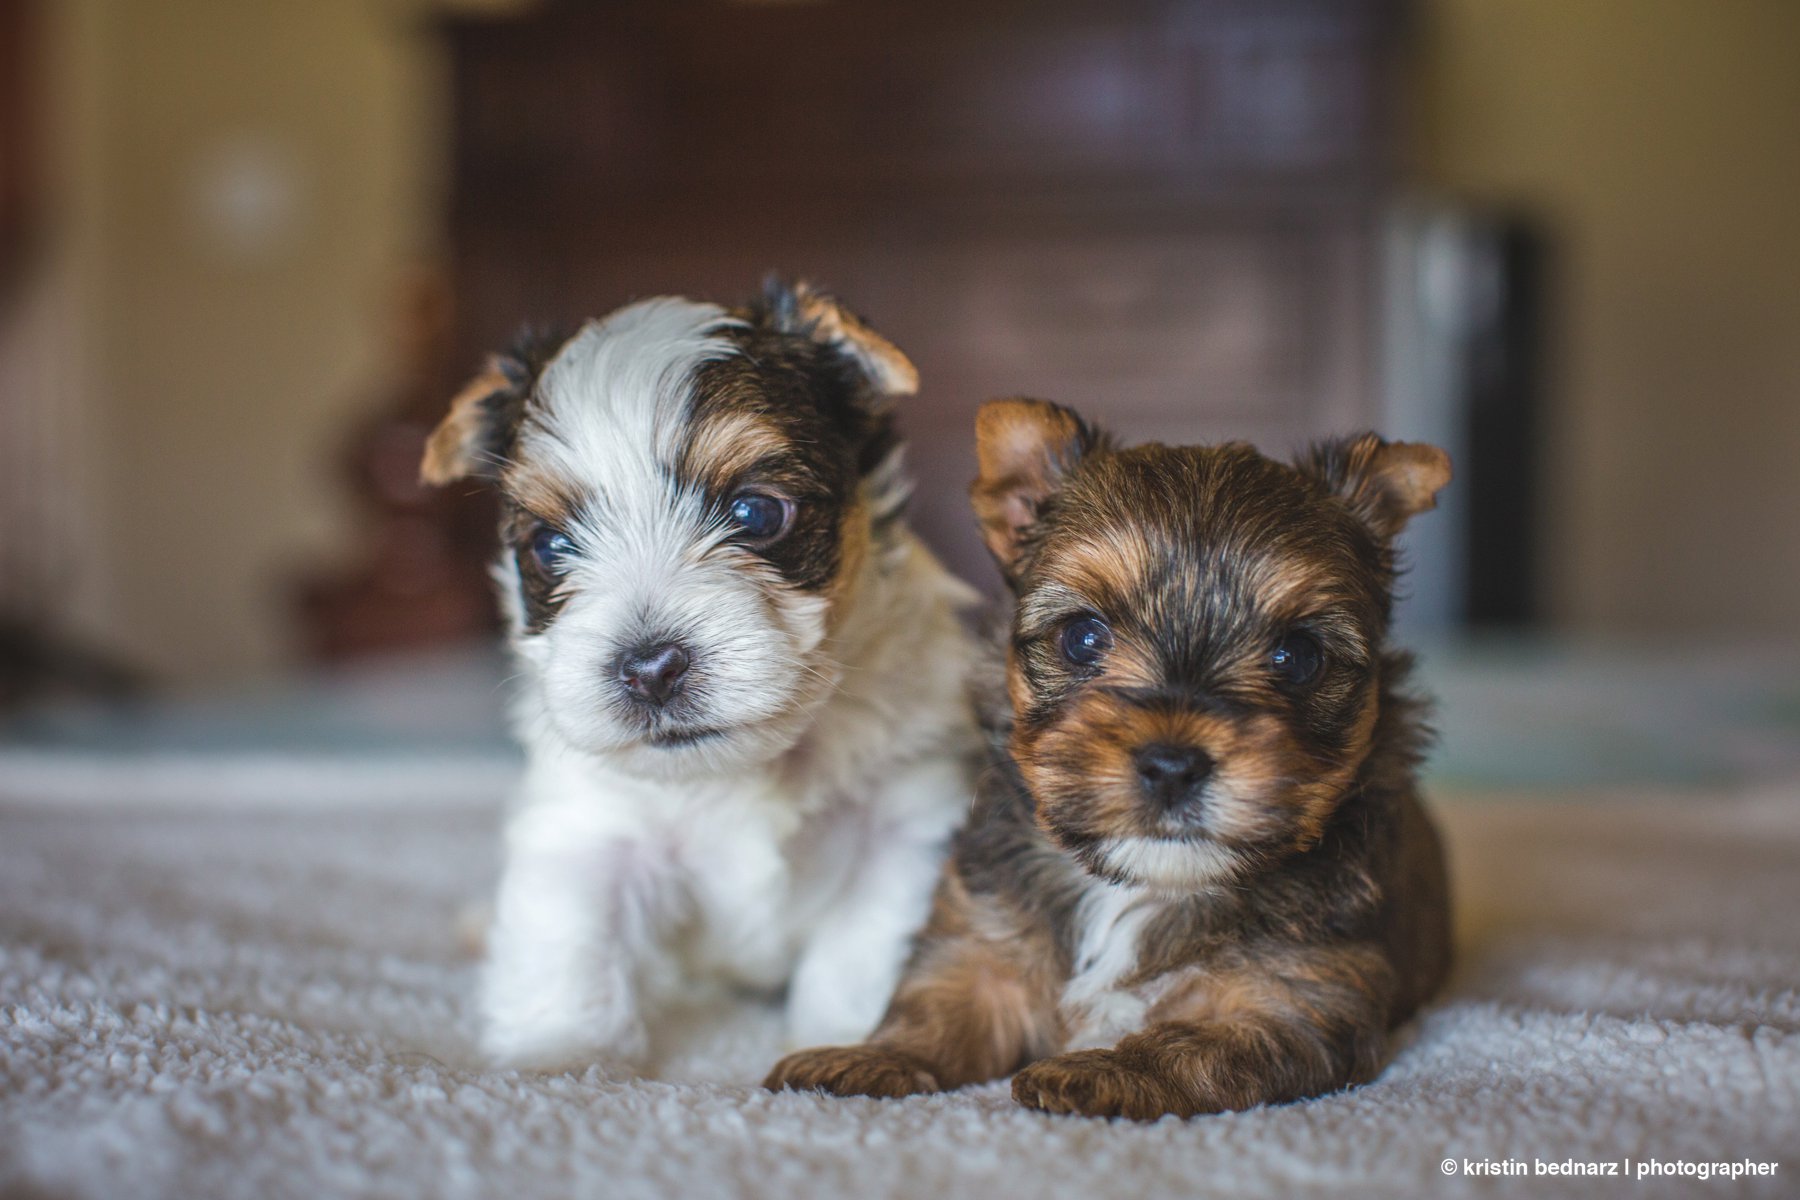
[742, 678]
[1197, 876]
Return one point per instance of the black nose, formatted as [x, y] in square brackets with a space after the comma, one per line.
[1172, 775]
[654, 674]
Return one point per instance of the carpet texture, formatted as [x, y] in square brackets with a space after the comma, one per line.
[200, 1000]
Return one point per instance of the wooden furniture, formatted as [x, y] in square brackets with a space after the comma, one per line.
[416, 576]
[21, 166]
[1162, 212]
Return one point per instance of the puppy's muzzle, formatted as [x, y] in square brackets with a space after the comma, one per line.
[1172, 776]
[654, 674]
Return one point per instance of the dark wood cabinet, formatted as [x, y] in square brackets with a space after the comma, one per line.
[1163, 212]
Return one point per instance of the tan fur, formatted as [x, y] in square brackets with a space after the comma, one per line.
[1297, 587]
[1092, 757]
[891, 372]
[1109, 564]
[1394, 481]
[855, 538]
[545, 495]
[1022, 449]
[725, 445]
[453, 450]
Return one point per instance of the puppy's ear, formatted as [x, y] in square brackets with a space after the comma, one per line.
[1024, 449]
[1384, 483]
[811, 312]
[473, 440]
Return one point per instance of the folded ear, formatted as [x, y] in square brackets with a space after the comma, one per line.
[1384, 483]
[470, 442]
[474, 438]
[1024, 450]
[811, 312]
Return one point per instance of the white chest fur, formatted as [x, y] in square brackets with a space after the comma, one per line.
[719, 881]
[1110, 922]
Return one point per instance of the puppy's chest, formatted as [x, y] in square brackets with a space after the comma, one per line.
[1124, 941]
[756, 889]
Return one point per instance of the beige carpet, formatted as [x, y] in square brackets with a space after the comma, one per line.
[202, 999]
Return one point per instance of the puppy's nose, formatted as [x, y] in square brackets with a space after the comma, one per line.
[1172, 775]
[653, 674]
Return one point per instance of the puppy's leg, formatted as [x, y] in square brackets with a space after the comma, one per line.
[576, 920]
[969, 1007]
[851, 964]
[1296, 1024]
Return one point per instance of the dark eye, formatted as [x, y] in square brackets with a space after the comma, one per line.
[1085, 641]
[1297, 658]
[551, 550]
[760, 516]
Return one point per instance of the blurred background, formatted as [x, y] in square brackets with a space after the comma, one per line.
[247, 252]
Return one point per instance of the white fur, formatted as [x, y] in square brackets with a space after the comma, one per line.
[1168, 865]
[1110, 921]
[651, 564]
[1098, 1009]
[805, 840]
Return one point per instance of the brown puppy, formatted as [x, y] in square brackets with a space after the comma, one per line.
[1197, 876]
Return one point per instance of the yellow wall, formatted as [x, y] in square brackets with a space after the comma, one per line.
[1661, 140]
[230, 352]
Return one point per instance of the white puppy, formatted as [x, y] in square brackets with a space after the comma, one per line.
[743, 696]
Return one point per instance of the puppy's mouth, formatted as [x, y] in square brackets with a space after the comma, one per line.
[675, 739]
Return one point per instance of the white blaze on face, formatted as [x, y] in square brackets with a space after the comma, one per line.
[608, 424]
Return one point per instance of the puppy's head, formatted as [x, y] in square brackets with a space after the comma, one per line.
[688, 493]
[1195, 649]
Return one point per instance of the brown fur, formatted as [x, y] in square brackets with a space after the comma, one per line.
[856, 535]
[1230, 1036]
[971, 1006]
[1278, 979]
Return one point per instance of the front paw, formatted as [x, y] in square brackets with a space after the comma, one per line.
[539, 1015]
[558, 1048]
[545, 1037]
[1096, 1083]
[853, 1071]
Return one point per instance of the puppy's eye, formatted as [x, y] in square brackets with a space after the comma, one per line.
[760, 517]
[1296, 658]
[551, 550]
[1085, 641]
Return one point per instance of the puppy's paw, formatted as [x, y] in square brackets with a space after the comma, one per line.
[553, 1053]
[542, 1041]
[541, 1013]
[1097, 1083]
[853, 1071]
